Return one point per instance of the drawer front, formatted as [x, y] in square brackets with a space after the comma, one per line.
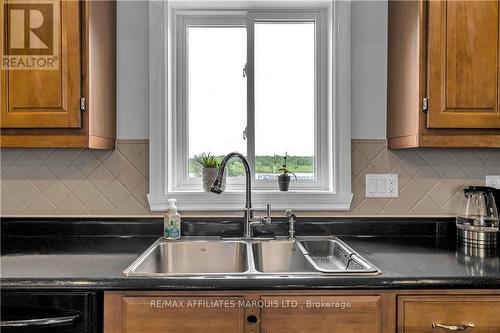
[182, 314]
[476, 314]
[321, 314]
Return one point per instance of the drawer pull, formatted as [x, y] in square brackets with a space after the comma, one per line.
[454, 327]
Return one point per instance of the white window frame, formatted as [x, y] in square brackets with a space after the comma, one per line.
[180, 21]
[334, 192]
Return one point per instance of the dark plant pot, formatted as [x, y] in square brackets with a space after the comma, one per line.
[284, 182]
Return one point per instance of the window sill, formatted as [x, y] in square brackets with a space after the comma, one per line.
[235, 200]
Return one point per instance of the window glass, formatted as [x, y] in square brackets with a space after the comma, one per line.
[216, 93]
[285, 98]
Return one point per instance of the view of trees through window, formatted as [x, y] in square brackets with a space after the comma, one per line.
[266, 167]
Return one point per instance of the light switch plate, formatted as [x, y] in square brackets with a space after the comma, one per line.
[493, 181]
[382, 186]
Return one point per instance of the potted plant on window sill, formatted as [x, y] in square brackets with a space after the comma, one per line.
[284, 178]
[210, 165]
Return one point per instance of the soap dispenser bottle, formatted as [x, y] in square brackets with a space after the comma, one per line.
[172, 221]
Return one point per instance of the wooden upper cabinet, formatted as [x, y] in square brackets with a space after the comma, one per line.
[443, 85]
[65, 93]
[47, 96]
[463, 64]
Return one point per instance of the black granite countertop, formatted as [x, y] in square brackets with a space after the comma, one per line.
[86, 260]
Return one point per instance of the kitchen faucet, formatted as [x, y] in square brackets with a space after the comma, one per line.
[249, 219]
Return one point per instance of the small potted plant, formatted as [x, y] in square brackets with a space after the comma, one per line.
[210, 165]
[284, 178]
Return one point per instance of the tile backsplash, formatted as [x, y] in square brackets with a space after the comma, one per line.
[91, 182]
[75, 181]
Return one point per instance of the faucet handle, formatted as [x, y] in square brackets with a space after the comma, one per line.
[291, 223]
[260, 220]
[267, 218]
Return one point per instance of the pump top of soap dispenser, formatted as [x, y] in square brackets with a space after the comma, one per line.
[172, 206]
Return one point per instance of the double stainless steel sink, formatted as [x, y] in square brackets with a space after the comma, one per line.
[213, 257]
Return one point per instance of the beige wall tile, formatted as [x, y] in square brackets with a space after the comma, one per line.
[56, 193]
[27, 192]
[59, 159]
[130, 177]
[140, 191]
[101, 178]
[71, 206]
[86, 193]
[116, 193]
[101, 206]
[426, 177]
[130, 206]
[11, 205]
[441, 193]
[385, 160]
[116, 163]
[42, 206]
[42, 177]
[80, 182]
[71, 178]
[141, 163]
[424, 206]
[409, 196]
[87, 162]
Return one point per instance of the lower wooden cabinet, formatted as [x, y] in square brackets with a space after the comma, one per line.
[342, 311]
[321, 314]
[182, 314]
[428, 314]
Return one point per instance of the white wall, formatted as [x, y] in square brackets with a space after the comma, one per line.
[369, 69]
[132, 70]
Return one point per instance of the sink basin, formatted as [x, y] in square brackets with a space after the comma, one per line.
[197, 257]
[280, 256]
[309, 255]
[190, 257]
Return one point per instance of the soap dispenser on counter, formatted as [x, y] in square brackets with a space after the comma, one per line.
[172, 221]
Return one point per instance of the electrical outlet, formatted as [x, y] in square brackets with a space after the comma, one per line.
[382, 186]
[493, 181]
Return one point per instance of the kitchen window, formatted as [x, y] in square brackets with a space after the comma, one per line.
[255, 80]
[250, 83]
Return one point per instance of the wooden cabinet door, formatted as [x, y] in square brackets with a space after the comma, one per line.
[478, 314]
[463, 64]
[321, 314]
[45, 91]
[182, 314]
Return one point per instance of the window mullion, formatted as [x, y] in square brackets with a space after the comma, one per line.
[250, 94]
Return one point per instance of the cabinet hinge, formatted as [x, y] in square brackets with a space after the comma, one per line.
[83, 104]
[425, 104]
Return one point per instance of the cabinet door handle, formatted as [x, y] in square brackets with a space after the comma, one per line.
[454, 327]
[53, 321]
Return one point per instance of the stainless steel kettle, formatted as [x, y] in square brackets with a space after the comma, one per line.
[478, 225]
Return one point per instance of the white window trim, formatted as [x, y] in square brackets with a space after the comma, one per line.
[339, 195]
[180, 19]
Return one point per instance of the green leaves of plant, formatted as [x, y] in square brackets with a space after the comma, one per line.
[208, 161]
